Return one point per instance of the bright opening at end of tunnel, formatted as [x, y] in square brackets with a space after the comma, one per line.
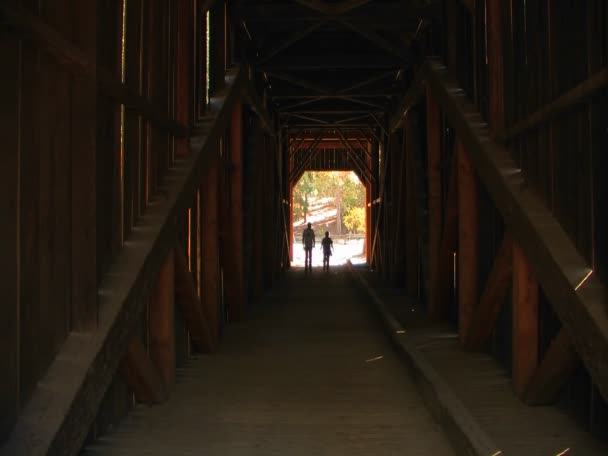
[334, 202]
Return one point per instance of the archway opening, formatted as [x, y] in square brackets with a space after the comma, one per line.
[333, 202]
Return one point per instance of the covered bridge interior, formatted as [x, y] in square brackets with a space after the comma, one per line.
[149, 153]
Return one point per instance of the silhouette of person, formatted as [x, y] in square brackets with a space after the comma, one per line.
[328, 246]
[308, 241]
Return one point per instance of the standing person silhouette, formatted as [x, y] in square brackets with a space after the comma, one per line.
[328, 246]
[308, 241]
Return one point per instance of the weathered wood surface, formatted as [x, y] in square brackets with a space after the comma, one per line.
[493, 297]
[66, 54]
[161, 321]
[553, 256]
[309, 373]
[199, 320]
[142, 375]
[568, 100]
[525, 321]
[57, 418]
[468, 227]
[9, 233]
[433, 131]
[554, 370]
[484, 387]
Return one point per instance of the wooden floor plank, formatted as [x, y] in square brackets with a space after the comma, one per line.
[310, 373]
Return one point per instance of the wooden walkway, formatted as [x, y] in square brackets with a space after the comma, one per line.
[310, 373]
[484, 387]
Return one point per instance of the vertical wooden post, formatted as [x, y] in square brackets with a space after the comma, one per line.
[218, 45]
[162, 321]
[132, 122]
[10, 113]
[269, 238]
[453, 31]
[525, 321]
[234, 292]
[257, 262]
[496, 62]
[449, 243]
[184, 70]
[467, 240]
[290, 227]
[368, 222]
[210, 240]
[433, 131]
[83, 195]
[29, 241]
[411, 130]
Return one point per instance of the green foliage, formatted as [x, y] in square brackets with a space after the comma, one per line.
[342, 187]
[354, 219]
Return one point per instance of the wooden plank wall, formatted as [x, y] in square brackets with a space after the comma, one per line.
[514, 58]
[90, 139]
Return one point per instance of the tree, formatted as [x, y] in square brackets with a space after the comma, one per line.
[303, 191]
[341, 187]
[354, 219]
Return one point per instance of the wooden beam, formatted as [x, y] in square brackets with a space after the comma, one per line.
[367, 60]
[449, 244]
[142, 376]
[376, 12]
[379, 93]
[290, 40]
[308, 153]
[258, 107]
[197, 320]
[433, 134]
[83, 310]
[492, 298]
[412, 97]
[525, 322]
[65, 53]
[575, 292]
[470, 5]
[297, 81]
[210, 257]
[64, 425]
[496, 31]
[468, 293]
[376, 39]
[553, 372]
[353, 154]
[335, 9]
[161, 321]
[345, 6]
[365, 82]
[412, 145]
[235, 293]
[10, 206]
[568, 100]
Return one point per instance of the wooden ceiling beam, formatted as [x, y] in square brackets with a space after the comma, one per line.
[284, 96]
[300, 103]
[311, 119]
[336, 9]
[365, 82]
[290, 40]
[376, 12]
[297, 81]
[376, 39]
[342, 61]
[413, 96]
